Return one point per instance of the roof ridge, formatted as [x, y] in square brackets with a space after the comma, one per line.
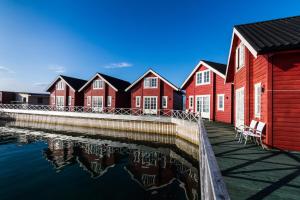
[113, 77]
[72, 77]
[267, 21]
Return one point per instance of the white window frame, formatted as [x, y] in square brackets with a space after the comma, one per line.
[221, 96]
[109, 101]
[60, 100]
[240, 57]
[162, 102]
[202, 73]
[257, 100]
[149, 80]
[88, 100]
[60, 85]
[138, 101]
[150, 110]
[69, 100]
[191, 102]
[98, 84]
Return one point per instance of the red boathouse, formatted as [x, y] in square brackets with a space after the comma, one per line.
[206, 92]
[264, 65]
[64, 91]
[151, 92]
[103, 91]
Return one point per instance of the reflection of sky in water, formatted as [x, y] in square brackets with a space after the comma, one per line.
[38, 165]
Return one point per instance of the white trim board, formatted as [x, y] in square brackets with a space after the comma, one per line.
[196, 68]
[60, 77]
[97, 75]
[244, 41]
[157, 75]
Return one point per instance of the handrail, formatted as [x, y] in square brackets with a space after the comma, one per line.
[179, 114]
[211, 180]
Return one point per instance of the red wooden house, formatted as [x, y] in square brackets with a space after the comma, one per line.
[206, 92]
[151, 92]
[64, 91]
[103, 91]
[264, 65]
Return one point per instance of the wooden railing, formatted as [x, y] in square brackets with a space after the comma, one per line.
[211, 180]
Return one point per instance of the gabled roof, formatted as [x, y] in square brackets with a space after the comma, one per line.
[267, 36]
[272, 35]
[115, 83]
[72, 82]
[156, 74]
[217, 68]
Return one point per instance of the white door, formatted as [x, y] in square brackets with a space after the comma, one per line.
[60, 102]
[97, 103]
[239, 107]
[150, 105]
[203, 105]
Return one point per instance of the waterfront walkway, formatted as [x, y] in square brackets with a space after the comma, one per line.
[251, 172]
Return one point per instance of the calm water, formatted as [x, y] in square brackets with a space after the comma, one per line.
[40, 165]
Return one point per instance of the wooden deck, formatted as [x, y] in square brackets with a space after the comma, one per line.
[251, 172]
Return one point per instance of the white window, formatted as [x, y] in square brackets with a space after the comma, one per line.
[108, 101]
[240, 56]
[60, 101]
[97, 103]
[221, 102]
[69, 100]
[164, 102]
[203, 77]
[60, 85]
[257, 100]
[150, 104]
[150, 82]
[98, 84]
[137, 101]
[88, 99]
[191, 102]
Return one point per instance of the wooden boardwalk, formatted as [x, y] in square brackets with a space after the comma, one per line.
[251, 172]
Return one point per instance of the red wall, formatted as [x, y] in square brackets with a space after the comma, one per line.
[77, 97]
[215, 87]
[286, 101]
[120, 99]
[279, 76]
[163, 89]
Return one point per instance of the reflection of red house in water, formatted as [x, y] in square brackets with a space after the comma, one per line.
[59, 153]
[150, 169]
[96, 159]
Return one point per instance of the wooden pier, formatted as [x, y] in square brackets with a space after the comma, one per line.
[251, 172]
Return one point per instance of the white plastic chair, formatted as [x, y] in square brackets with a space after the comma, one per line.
[249, 130]
[257, 135]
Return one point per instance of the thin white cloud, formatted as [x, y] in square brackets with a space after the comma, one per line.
[40, 84]
[58, 69]
[6, 70]
[118, 65]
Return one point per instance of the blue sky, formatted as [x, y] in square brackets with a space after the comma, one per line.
[41, 39]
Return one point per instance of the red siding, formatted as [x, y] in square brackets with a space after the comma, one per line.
[120, 99]
[163, 89]
[76, 96]
[286, 101]
[280, 110]
[215, 87]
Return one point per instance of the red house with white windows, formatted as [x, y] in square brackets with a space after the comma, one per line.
[151, 92]
[207, 93]
[64, 91]
[103, 91]
[264, 65]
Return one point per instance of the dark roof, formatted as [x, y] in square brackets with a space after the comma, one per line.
[75, 83]
[119, 84]
[273, 35]
[217, 66]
